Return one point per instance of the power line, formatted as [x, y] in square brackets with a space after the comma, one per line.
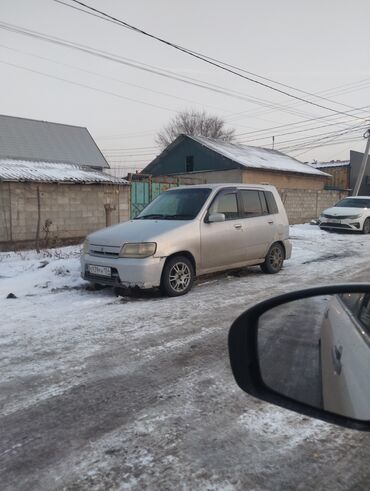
[146, 67]
[206, 59]
[85, 86]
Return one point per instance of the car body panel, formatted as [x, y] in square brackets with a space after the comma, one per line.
[345, 362]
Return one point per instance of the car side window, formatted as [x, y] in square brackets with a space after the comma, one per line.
[364, 314]
[271, 202]
[351, 301]
[227, 204]
[251, 203]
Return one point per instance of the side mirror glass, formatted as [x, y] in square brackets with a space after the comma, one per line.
[216, 217]
[309, 354]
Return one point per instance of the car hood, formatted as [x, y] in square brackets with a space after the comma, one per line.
[134, 231]
[341, 211]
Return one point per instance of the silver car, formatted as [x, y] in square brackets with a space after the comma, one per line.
[191, 231]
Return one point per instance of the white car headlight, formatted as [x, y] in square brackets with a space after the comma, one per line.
[85, 247]
[138, 249]
[353, 217]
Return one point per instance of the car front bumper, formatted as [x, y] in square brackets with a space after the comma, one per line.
[352, 224]
[125, 272]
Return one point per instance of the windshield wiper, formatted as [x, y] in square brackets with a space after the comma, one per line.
[152, 216]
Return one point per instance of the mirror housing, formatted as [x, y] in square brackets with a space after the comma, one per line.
[245, 358]
[216, 217]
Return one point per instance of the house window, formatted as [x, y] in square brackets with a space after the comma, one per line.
[189, 163]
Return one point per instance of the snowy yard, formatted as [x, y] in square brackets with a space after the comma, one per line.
[99, 391]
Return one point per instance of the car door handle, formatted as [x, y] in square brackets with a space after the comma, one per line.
[336, 355]
[270, 222]
[238, 226]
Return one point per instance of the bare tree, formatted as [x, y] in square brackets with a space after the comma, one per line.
[194, 123]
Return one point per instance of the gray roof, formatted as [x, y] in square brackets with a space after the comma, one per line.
[53, 172]
[333, 163]
[29, 139]
[257, 157]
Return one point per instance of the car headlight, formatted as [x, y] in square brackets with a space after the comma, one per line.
[85, 247]
[353, 217]
[138, 249]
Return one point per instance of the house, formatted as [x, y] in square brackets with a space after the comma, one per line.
[301, 186]
[53, 188]
[340, 171]
[219, 161]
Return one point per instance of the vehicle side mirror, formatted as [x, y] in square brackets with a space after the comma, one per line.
[216, 217]
[308, 351]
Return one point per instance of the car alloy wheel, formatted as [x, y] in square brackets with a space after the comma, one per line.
[274, 259]
[178, 276]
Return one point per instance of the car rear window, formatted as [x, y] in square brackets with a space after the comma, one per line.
[271, 202]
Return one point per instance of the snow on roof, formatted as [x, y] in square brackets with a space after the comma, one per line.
[257, 157]
[327, 165]
[25, 171]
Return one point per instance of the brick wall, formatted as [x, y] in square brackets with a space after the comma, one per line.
[74, 211]
[303, 205]
[284, 180]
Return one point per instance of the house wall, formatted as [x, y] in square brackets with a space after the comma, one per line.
[174, 162]
[356, 161]
[284, 180]
[74, 211]
[340, 177]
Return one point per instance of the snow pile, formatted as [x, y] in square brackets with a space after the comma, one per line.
[28, 273]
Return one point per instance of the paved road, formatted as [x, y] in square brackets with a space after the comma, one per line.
[102, 393]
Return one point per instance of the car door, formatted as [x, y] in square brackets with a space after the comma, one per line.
[222, 243]
[345, 355]
[258, 222]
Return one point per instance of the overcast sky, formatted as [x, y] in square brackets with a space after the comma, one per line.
[318, 46]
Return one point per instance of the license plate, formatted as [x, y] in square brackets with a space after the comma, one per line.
[99, 270]
[335, 220]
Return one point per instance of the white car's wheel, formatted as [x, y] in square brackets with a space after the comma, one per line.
[366, 227]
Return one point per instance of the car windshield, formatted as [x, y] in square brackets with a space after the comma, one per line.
[177, 204]
[354, 203]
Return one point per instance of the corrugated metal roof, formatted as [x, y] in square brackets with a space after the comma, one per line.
[30, 139]
[327, 165]
[26, 171]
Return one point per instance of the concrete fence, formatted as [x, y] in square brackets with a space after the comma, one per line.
[55, 214]
[303, 205]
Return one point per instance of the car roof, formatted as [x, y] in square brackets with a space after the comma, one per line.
[357, 197]
[227, 185]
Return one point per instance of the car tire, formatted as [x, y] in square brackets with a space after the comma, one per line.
[366, 227]
[177, 276]
[274, 259]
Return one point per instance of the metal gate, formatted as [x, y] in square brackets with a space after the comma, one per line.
[144, 188]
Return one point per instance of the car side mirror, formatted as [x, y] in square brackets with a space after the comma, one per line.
[308, 351]
[216, 217]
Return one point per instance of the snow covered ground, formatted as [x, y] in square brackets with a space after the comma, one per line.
[99, 391]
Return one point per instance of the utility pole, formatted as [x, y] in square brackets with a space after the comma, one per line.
[273, 142]
[363, 165]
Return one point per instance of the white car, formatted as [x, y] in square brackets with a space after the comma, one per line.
[352, 213]
[345, 355]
